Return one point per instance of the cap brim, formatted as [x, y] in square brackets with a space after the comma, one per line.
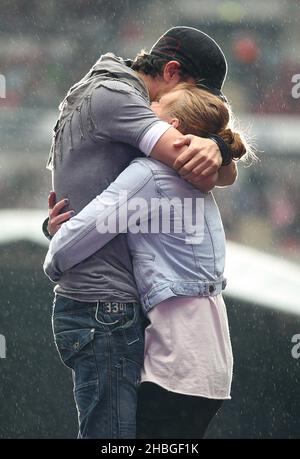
[214, 91]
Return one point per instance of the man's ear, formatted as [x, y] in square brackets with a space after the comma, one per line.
[171, 72]
[175, 123]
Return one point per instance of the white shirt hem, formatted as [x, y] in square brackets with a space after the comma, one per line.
[202, 394]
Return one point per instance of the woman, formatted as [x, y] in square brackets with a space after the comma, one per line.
[178, 268]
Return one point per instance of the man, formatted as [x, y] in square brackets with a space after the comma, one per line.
[105, 122]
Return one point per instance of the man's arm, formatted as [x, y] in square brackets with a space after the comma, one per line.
[127, 118]
[197, 160]
[191, 156]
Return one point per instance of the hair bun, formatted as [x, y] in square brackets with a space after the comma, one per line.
[235, 142]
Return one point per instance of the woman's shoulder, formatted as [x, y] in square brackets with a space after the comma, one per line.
[153, 165]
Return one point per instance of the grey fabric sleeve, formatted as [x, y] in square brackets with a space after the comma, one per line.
[120, 113]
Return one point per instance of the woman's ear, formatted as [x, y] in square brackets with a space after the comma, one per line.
[175, 123]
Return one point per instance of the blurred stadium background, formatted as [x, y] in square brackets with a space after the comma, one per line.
[46, 46]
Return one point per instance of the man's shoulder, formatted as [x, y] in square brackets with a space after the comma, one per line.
[111, 61]
[116, 91]
[117, 85]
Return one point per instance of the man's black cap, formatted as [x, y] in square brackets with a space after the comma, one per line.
[200, 56]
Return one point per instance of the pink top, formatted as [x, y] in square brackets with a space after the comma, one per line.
[187, 347]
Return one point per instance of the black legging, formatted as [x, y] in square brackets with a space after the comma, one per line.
[165, 414]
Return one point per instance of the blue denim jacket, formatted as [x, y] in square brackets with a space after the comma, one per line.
[170, 257]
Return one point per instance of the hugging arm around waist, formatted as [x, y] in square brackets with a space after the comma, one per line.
[100, 221]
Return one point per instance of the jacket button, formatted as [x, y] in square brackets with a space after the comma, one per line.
[212, 288]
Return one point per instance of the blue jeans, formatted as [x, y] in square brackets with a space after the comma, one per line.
[103, 345]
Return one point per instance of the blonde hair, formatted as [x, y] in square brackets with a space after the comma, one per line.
[201, 113]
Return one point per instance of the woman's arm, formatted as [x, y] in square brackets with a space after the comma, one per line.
[101, 220]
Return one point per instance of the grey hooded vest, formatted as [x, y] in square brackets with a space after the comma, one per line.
[84, 162]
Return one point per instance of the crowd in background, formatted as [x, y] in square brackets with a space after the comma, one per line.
[40, 66]
[43, 51]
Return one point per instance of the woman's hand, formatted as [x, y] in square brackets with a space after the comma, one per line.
[56, 218]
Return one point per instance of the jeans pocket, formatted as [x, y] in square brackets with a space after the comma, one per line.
[76, 350]
[73, 343]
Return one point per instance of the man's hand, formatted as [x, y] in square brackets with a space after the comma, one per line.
[201, 159]
[197, 159]
[56, 218]
[207, 183]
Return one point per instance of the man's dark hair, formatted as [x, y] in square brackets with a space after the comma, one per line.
[153, 65]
